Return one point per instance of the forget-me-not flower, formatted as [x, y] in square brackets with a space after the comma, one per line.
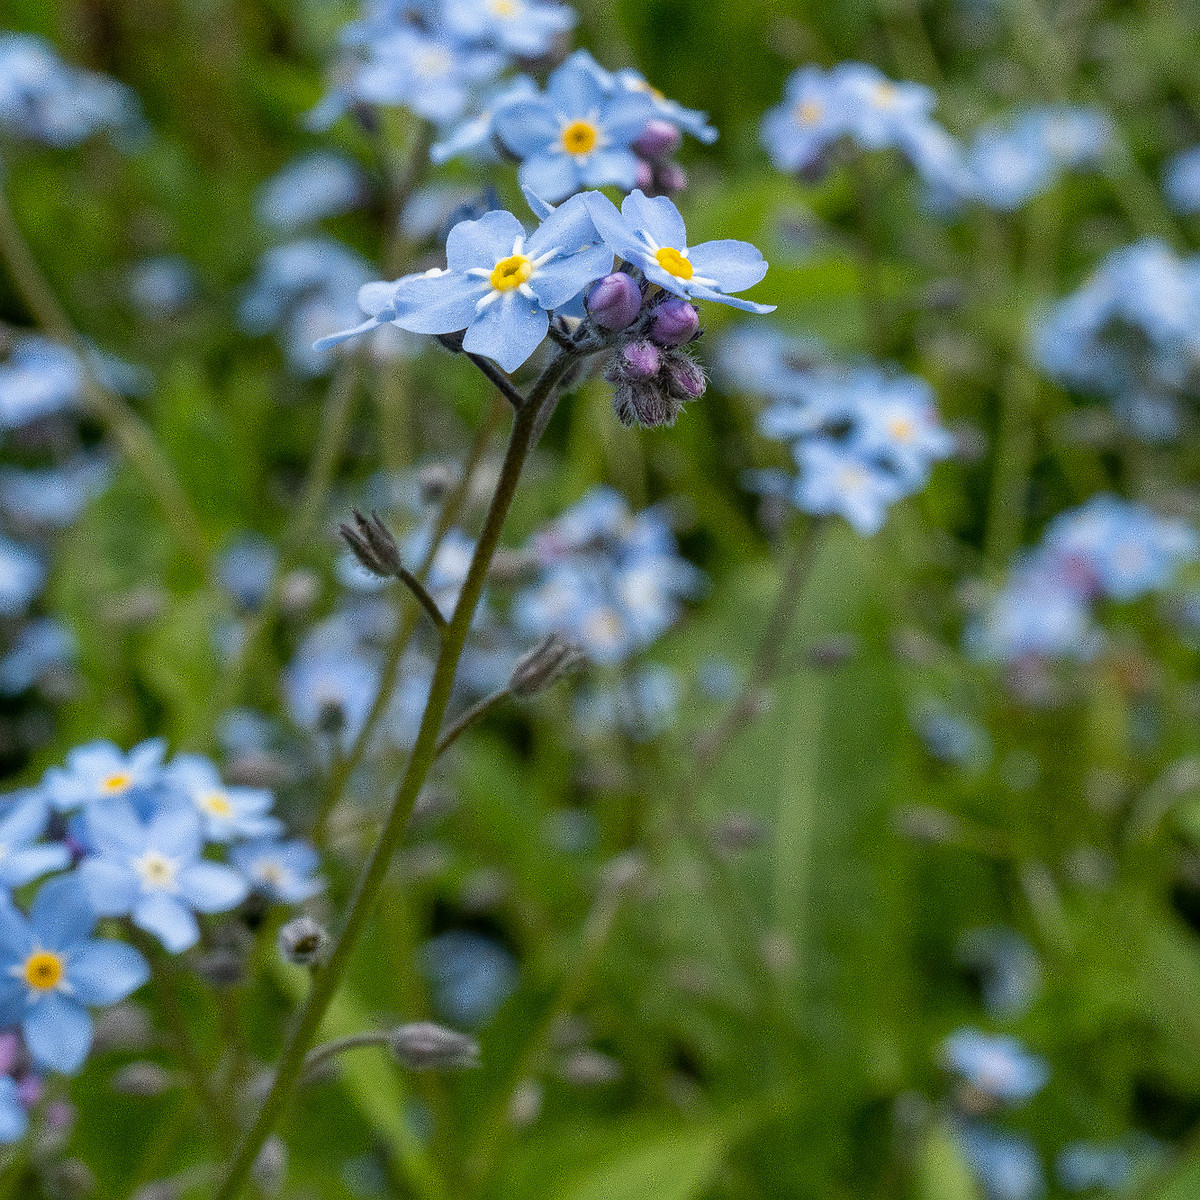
[309, 189]
[499, 284]
[24, 857]
[282, 871]
[100, 771]
[153, 872]
[52, 971]
[40, 378]
[836, 480]
[996, 1065]
[14, 1120]
[22, 574]
[648, 233]
[39, 647]
[522, 28]
[226, 813]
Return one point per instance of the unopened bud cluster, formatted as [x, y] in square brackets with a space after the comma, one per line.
[658, 174]
[373, 545]
[653, 377]
[302, 941]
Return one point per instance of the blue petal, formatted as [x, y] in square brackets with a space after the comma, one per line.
[613, 228]
[212, 887]
[616, 166]
[105, 972]
[336, 339]
[16, 938]
[574, 91]
[526, 127]
[541, 208]
[112, 888]
[562, 278]
[114, 827]
[32, 862]
[14, 997]
[508, 331]
[734, 265]
[169, 921]
[58, 1033]
[26, 821]
[657, 216]
[626, 117]
[553, 176]
[438, 303]
[482, 243]
[61, 914]
[177, 833]
[13, 1119]
[568, 227]
[703, 293]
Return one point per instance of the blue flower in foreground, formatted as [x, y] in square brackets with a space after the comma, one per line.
[308, 189]
[52, 971]
[522, 28]
[23, 858]
[648, 233]
[997, 1065]
[834, 479]
[100, 771]
[226, 812]
[577, 135]
[499, 285]
[282, 871]
[1181, 181]
[14, 1120]
[152, 872]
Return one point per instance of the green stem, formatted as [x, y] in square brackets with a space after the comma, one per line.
[327, 980]
[127, 429]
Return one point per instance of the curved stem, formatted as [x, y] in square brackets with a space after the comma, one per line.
[473, 714]
[127, 429]
[327, 980]
[353, 1041]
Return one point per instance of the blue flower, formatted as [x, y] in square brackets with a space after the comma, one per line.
[309, 189]
[996, 1065]
[834, 479]
[22, 574]
[1006, 1164]
[1084, 1166]
[1181, 181]
[40, 647]
[577, 135]
[23, 857]
[162, 286]
[648, 233]
[499, 285]
[471, 976]
[51, 497]
[247, 568]
[152, 871]
[896, 420]
[330, 687]
[522, 28]
[100, 771]
[40, 378]
[14, 1120]
[1010, 974]
[797, 132]
[52, 971]
[226, 813]
[282, 871]
[476, 135]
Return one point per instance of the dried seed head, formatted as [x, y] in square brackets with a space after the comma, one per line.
[548, 662]
[302, 941]
[373, 545]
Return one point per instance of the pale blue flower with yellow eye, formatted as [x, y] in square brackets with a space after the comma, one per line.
[52, 971]
[875, 111]
[153, 873]
[896, 420]
[309, 189]
[796, 132]
[226, 813]
[281, 871]
[577, 135]
[522, 28]
[100, 771]
[648, 233]
[836, 480]
[499, 285]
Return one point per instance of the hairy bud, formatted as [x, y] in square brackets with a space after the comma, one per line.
[675, 323]
[658, 140]
[424, 1046]
[373, 545]
[615, 301]
[548, 662]
[640, 361]
[671, 178]
[302, 941]
[684, 377]
[644, 175]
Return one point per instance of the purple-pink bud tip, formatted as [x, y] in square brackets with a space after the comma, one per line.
[675, 323]
[658, 140]
[615, 301]
[640, 360]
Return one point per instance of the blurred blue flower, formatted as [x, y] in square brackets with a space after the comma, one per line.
[1181, 182]
[99, 771]
[1006, 1164]
[1010, 974]
[837, 480]
[153, 871]
[578, 134]
[163, 286]
[330, 687]
[281, 871]
[309, 189]
[642, 706]
[39, 647]
[648, 233]
[499, 285]
[23, 856]
[14, 1120]
[475, 136]
[22, 575]
[40, 378]
[246, 569]
[522, 28]
[53, 971]
[686, 120]
[52, 497]
[997, 1065]
[471, 976]
[226, 813]
[950, 737]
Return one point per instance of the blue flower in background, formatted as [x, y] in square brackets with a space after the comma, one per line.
[1181, 182]
[246, 569]
[52, 497]
[1006, 1164]
[577, 135]
[309, 189]
[896, 421]
[23, 856]
[471, 976]
[152, 872]
[40, 378]
[837, 480]
[330, 687]
[39, 647]
[797, 132]
[226, 813]
[100, 771]
[52, 971]
[14, 1120]
[522, 28]
[648, 233]
[162, 287]
[281, 871]
[475, 136]
[1010, 974]
[1111, 1165]
[873, 110]
[996, 1065]
[499, 285]
[22, 575]
[686, 120]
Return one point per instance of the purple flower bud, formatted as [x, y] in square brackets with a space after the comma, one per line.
[29, 1091]
[644, 404]
[657, 140]
[672, 178]
[684, 378]
[615, 301]
[644, 179]
[640, 360]
[675, 323]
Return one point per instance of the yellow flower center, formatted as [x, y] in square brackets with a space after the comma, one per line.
[674, 263]
[120, 782]
[580, 137]
[886, 94]
[432, 63]
[216, 804]
[902, 429]
[511, 272]
[505, 9]
[808, 112]
[270, 873]
[43, 970]
[156, 870]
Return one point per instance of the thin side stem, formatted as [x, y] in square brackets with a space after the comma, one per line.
[478, 710]
[504, 385]
[354, 1041]
[426, 601]
[328, 979]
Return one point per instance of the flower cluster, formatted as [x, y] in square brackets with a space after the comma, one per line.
[1108, 548]
[1129, 334]
[611, 582]
[309, 189]
[44, 99]
[863, 438]
[123, 835]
